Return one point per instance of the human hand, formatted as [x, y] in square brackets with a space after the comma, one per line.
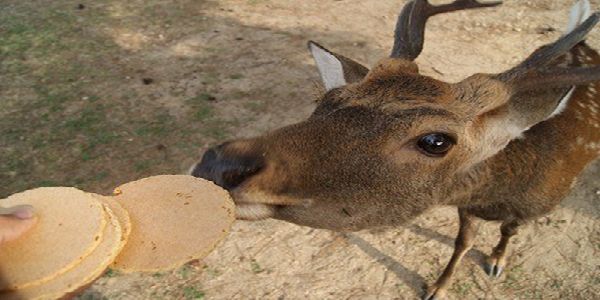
[15, 221]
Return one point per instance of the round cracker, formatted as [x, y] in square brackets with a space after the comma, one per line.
[81, 275]
[174, 219]
[69, 227]
[121, 214]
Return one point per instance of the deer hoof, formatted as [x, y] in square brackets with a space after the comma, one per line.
[494, 267]
[435, 293]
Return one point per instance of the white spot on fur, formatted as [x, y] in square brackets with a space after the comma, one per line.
[330, 68]
[589, 94]
[573, 183]
[593, 146]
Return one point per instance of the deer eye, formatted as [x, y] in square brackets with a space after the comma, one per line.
[435, 144]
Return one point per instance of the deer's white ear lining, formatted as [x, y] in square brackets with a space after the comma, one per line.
[330, 68]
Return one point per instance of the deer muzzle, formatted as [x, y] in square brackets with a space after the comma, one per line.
[235, 167]
[226, 169]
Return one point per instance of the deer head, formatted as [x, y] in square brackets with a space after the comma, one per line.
[385, 144]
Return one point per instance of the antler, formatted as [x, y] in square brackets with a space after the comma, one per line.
[410, 27]
[532, 74]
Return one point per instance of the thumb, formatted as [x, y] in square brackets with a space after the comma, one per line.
[15, 221]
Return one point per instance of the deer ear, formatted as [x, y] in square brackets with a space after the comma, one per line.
[506, 105]
[336, 70]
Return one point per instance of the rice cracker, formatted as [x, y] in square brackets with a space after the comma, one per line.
[69, 227]
[81, 275]
[174, 219]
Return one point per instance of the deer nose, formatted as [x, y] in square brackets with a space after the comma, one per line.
[225, 168]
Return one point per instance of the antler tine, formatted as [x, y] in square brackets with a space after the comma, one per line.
[547, 53]
[410, 28]
[401, 38]
[462, 4]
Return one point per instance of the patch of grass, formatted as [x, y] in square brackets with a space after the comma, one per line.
[201, 108]
[556, 284]
[399, 286]
[111, 273]
[533, 294]
[44, 183]
[216, 131]
[255, 267]
[255, 106]
[236, 76]
[158, 126]
[256, 2]
[92, 296]
[514, 277]
[210, 78]
[462, 288]
[101, 175]
[212, 272]
[190, 292]
[201, 98]
[185, 271]
[142, 165]
[202, 113]
[85, 121]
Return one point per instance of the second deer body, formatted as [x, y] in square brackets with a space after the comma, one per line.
[386, 144]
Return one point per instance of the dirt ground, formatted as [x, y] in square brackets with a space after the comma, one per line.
[97, 93]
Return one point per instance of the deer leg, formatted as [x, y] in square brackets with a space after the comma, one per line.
[464, 241]
[497, 260]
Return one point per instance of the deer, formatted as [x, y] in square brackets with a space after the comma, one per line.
[386, 144]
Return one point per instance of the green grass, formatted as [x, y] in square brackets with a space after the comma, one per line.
[212, 272]
[142, 165]
[462, 288]
[514, 278]
[190, 292]
[111, 273]
[185, 271]
[201, 107]
[255, 267]
[255, 106]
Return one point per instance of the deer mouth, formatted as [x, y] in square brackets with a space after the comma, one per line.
[235, 175]
[254, 206]
[254, 211]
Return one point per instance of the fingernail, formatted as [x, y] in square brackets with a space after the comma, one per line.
[26, 213]
[20, 212]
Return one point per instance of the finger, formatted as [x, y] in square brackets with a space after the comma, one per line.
[19, 211]
[11, 227]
